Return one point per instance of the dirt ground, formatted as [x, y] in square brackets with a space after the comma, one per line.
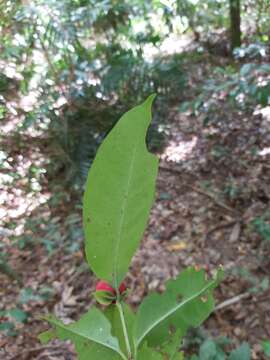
[205, 203]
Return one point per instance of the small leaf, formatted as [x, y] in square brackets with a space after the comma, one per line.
[8, 328]
[187, 302]
[18, 314]
[266, 347]
[208, 350]
[119, 194]
[241, 353]
[91, 335]
[27, 295]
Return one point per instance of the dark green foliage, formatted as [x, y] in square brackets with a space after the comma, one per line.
[242, 87]
[218, 349]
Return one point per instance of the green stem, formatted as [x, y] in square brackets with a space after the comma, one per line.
[120, 309]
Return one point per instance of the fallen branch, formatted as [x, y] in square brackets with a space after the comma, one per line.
[220, 226]
[232, 301]
[213, 198]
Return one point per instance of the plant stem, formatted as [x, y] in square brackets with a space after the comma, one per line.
[120, 309]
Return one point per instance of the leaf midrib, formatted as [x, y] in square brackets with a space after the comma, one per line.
[123, 215]
[174, 309]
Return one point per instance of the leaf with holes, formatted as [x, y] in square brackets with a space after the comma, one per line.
[91, 336]
[187, 302]
[170, 349]
[119, 194]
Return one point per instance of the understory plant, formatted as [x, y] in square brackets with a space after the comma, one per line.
[118, 197]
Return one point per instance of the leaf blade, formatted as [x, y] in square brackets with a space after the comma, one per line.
[93, 331]
[169, 310]
[120, 191]
[146, 353]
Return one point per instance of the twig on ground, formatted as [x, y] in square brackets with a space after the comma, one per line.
[214, 199]
[220, 226]
[232, 301]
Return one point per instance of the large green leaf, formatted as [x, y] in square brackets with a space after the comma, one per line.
[91, 336]
[187, 302]
[119, 194]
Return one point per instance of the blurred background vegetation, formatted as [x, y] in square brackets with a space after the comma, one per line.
[80, 64]
[83, 63]
[68, 71]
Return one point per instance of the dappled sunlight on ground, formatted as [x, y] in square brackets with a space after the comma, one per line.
[23, 169]
[178, 151]
[171, 45]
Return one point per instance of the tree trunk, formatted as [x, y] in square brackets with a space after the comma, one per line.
[235, 18]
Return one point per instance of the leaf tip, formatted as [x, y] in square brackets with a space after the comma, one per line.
[149, 101]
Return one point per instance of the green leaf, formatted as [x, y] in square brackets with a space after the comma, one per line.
[266, 347]
[113, 316]
[8, 328]
[171, 347]
[241, 353]
[146, 353]
[27, 294]
[18, 314]
[91, 335]
[119, 194]
[187, 302]
[210, 350]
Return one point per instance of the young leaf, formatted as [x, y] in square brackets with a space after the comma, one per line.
[18, 314]
[241, 353]
[266, 347]
[91, 335]
[187, 301]
[119, 194]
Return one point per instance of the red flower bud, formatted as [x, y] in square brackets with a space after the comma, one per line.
[104, 286]
[105, 294]
[122, 288]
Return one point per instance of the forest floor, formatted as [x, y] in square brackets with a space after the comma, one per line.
[211, 190]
